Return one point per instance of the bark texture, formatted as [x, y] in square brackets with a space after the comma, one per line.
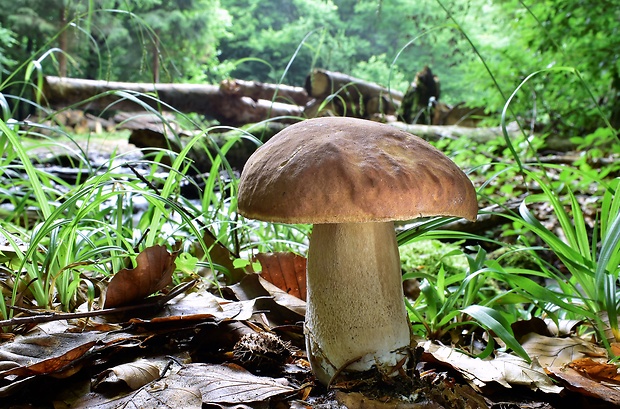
[209, 100]
[339, 94]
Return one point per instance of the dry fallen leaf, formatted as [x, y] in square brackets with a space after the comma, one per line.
[575, 381]
[287, 271]
[553, 351]
[153, 272]
[229, 383]
[283, 308]
[360, 401]
[133, 374]
[220, 254]
[156, 395]
[563, 327]
[204, 303]
[61, 366]
[601, 371]
[505, 369]
[283, 298]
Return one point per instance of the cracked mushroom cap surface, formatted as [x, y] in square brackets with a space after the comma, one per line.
[348, 170]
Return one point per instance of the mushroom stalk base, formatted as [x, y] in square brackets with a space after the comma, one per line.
[355, 315]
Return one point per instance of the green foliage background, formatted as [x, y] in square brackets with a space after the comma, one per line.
[386, 41]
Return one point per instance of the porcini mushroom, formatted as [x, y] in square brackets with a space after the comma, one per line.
[352, 178]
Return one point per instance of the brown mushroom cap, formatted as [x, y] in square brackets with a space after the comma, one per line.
[347, 170]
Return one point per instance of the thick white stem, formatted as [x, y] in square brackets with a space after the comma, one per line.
[355, 316]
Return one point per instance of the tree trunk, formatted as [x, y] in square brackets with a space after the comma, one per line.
[208, 100]
[156, 58]
[62, 43]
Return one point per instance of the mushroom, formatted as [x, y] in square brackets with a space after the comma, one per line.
[351, 179]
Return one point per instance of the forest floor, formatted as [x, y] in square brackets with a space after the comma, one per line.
[239, 346]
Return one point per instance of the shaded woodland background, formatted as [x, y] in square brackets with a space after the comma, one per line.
[573, 46]
[81, 208]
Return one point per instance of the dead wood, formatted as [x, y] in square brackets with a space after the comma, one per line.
[350, 96]
[208, 100]
[150, 137]
[270, 92]
[480, 135]
[421, 104]
[459, 114]
[321, 83]
[436, 132]
[423, 91]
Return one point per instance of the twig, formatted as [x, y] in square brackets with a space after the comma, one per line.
[142, 178]
[57, 316]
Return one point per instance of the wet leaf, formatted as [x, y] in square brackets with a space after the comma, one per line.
[287, 271]
[229, 383]
[153, 272]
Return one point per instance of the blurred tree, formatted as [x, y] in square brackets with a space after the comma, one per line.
[120, 40]
[353, 36]
[266, 35]
[377, 40]
[35, 25]
[553, 35]
[178, 37]
[418, 32]
[7, 40]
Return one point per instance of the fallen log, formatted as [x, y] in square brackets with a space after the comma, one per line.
[153, 137]
[270, 92]
[480, 135]
[459, 114]
[436, 132]
[321, 83]
[156, 136]
[351, 96]
[204, 99]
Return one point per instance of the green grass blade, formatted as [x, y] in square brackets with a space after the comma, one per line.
[607, 272]
[493, 321]
[35, 181]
